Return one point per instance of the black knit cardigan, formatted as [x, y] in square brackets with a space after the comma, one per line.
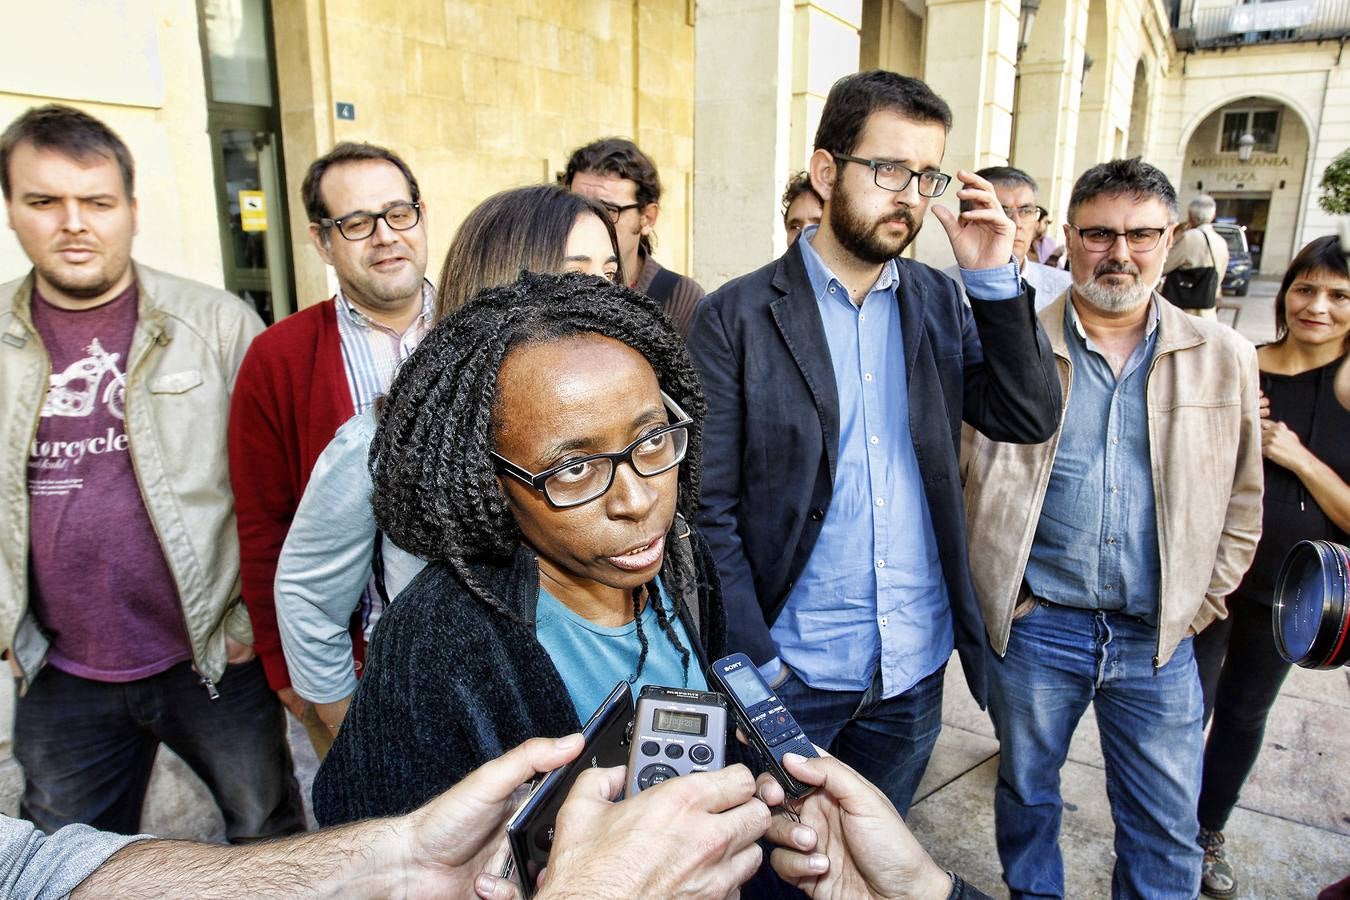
[451, 684]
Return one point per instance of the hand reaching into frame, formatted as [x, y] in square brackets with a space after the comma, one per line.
[850, 843]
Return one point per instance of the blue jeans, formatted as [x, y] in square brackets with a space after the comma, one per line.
[888, 741]
[87, 748]
[1058, 661]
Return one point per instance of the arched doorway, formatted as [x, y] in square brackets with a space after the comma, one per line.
[1261, 193]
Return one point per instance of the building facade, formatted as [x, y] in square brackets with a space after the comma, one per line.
[225, 102]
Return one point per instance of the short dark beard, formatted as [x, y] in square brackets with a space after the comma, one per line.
[79, 291]
[859, 237]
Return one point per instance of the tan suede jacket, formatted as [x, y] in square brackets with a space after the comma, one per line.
[189, 341]
[1205, 448]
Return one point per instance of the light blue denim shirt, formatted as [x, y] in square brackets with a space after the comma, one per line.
[872, 594]
[1096, 545]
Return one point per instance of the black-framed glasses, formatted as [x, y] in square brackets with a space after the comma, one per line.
[1138, 239]
[360, 225]
[1019, 213]
[614, 210]
[892, 176]
[585, 478]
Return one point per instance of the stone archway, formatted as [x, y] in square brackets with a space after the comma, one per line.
[1263, 193]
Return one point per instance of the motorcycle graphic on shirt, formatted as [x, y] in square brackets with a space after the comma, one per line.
[73, 392]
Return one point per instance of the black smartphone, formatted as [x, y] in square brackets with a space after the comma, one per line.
[529, 833]
[766, 722]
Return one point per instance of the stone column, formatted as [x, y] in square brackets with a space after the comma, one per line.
[762, 70]
[306, 129]
[1046, 129]
[971, 61]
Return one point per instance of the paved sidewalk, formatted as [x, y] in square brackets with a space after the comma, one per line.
[1289, 837]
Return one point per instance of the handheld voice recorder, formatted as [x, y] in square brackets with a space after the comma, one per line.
[767, 724]
[529, 833]
[675, 731]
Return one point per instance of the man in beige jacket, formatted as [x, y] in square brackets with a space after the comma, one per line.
[119, 568]
[1099, 554]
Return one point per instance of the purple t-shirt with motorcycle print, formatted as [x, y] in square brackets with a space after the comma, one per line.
[101, 586]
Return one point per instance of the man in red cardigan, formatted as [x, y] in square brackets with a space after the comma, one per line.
[306, 375]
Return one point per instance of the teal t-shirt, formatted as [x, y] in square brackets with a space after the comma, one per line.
[592, 658]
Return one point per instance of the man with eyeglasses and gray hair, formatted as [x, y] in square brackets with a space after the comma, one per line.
[1104, 550]
[1016, 193]
[837, 379]
[313, 371]
[1198, 245]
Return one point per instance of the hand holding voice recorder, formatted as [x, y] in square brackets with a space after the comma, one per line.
[766, 722]
[529, 833]
[675, 732]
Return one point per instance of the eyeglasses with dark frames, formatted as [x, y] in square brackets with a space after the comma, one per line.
[891, 176]
[615, 211]
[585, 478]
[360, 225]
[1140, 240]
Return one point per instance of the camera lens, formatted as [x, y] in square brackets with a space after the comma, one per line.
[1311, 615]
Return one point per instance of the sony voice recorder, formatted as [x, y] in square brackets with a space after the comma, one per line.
[675, 731]
[766, 722]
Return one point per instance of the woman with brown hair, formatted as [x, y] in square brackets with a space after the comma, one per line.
[1307, 466]
[334, 561]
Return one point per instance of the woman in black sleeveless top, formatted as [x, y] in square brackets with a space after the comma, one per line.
[1305, 438]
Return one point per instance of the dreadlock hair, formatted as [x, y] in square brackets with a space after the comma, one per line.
[435, 484]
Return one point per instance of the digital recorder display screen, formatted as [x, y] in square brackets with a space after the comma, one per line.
[747, 685]
[672, 722]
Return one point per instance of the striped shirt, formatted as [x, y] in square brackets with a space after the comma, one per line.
[371, 352]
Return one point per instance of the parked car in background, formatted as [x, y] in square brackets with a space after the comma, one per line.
[1239, 274]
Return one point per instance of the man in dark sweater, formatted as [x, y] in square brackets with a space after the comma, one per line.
[624, 180]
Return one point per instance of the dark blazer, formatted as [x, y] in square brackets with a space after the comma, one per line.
[451, 684]
[771, 436]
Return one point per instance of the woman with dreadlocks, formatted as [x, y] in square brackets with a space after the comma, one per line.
[325, 569]
[541, 450]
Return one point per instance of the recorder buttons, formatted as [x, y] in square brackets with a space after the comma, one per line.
[674, 751]
[650, 748]
[655, 774]
[701, 754]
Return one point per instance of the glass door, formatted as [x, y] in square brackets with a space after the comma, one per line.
[255, 242]
[244, 126]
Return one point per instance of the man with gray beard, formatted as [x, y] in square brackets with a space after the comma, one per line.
[1099, 554]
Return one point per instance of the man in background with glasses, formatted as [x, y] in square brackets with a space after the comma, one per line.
[1102, 552]
[311, 372]
[624, 180]
[1016, 193]
[837, 378]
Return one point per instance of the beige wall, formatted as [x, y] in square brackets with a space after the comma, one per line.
[137, 66]
[1313, 87]
[483, 96]
[764, 70]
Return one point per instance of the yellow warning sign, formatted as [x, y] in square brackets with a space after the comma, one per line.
[252, 211]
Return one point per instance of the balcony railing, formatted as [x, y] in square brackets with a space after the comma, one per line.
[1278, 22]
